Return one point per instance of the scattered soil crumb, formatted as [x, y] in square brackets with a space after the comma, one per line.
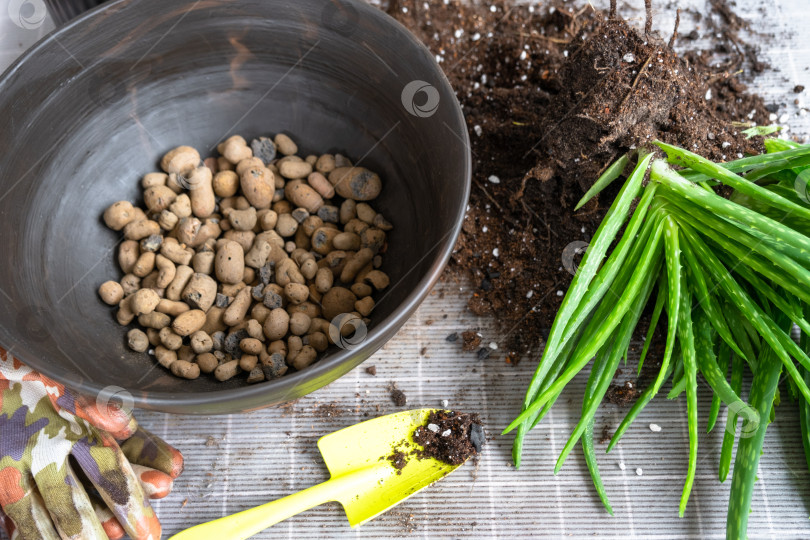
[372, 370]
[450, 437]
[622, 395]
[405, 521]
[288, 408]
[397, 395]
[470, 340]
[423, 351]
[328, 410]
[452, 338]
[211, 441]
[606, 435]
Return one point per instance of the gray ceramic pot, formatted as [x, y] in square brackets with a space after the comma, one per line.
[92, 107]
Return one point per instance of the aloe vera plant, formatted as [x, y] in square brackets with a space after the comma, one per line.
[730, 276]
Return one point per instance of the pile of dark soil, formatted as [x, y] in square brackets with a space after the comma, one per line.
[552, 95]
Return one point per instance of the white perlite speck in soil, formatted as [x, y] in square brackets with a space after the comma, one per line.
[655, 427]
[639, 472]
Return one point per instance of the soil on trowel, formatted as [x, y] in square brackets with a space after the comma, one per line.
[398, 459]
[448, 436]
[552, 95]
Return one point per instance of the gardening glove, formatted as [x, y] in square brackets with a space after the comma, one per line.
[52, 440]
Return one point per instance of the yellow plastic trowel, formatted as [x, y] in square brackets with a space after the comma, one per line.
[363, 480]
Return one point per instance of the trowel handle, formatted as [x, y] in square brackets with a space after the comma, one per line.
[249, 522]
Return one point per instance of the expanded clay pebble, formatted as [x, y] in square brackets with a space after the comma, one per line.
[356, 183]
[238, 264]
[137, 340]
[111, 292]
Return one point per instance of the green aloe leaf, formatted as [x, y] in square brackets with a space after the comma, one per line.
[687, 339]
[610, 174]
[706, 299]
[723, 357]
[749, 449]
[604, 236]
[778, 340]
[727, 448]
[605, 365]
[660, 299]
[593, 467]
[605, 327]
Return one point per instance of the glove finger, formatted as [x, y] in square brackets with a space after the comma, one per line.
[146, 448]
[108, 521]
[110, 472]
[112, 527]
[156, 484]
[24, 507]
[67, 502]
[105, 413]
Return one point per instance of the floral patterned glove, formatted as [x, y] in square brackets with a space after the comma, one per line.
[54, 443]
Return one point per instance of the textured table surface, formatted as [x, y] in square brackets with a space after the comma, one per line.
[236, 462]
